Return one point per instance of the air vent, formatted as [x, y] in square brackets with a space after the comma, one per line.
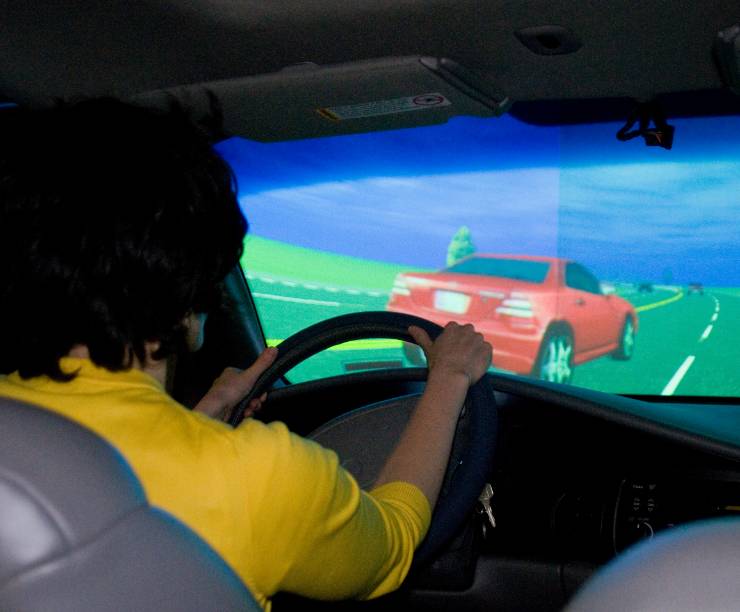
[549, 40]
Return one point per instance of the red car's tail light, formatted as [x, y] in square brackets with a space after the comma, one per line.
[400, 287]
[516, 306]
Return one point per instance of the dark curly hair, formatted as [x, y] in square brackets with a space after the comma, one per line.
[116, 222]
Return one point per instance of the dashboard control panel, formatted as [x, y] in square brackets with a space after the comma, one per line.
[645, 506]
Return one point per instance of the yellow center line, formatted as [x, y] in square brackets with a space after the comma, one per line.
[354, 345]
[665, 302]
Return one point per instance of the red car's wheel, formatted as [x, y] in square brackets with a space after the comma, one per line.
[555, 360]
[626, 341]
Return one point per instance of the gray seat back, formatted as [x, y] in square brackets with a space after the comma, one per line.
[691, 567]
[77, 533]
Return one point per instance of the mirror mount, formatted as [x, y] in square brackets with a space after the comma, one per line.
[651, 125]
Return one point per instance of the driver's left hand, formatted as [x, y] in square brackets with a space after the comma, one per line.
[232, 386]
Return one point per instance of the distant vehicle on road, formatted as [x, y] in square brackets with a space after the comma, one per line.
[645, 288]
[543, 315]
[695, 288]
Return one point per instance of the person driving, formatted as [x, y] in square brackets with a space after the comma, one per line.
[118, 225]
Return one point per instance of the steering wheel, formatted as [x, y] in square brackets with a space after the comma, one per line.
[364, 437]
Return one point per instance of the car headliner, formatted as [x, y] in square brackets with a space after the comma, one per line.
[54, 49]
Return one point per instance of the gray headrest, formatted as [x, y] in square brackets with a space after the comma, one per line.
[77, 533]
[684, 569]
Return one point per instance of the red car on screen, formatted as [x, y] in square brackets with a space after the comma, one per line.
[543, 315]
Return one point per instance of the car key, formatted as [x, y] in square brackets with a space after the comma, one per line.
[485, 500]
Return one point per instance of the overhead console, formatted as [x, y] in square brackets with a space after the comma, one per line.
[307, 100]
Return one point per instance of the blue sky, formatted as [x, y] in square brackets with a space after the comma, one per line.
[627, 211]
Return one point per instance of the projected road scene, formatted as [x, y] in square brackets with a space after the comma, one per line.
[681, 340]
[579, 266]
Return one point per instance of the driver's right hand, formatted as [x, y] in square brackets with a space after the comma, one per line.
[458, 350]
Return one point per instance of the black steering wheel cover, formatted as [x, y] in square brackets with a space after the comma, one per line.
[472, 462]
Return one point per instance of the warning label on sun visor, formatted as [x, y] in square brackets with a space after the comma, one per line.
[384, 107]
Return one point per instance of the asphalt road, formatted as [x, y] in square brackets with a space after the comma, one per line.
[686, 344]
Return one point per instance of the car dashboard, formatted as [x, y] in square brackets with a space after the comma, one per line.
[577, 478]
[575, 490]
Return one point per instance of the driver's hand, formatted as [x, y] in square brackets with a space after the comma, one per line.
[458, 350]
[232, 386]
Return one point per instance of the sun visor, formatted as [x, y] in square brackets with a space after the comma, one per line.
[307, 101]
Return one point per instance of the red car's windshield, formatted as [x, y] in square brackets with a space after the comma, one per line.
[515, 269]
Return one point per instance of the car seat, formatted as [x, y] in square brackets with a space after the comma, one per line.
[77, 533]
[695, 566]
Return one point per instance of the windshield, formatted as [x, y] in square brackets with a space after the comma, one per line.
[603, 264]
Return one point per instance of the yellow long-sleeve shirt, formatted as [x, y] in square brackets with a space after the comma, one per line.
[278, 508]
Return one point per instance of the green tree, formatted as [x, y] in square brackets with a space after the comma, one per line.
[461, 245]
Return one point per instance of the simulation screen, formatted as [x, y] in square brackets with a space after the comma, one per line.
[582, 259]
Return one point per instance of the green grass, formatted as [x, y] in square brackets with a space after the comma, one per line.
[734, 291]
[283, 260]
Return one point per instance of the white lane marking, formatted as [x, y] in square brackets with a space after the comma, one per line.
[714, 317]
[310, 286]
[265, 279]
[289, 283]
[678, 376]
[706, 333]
[269, 296]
